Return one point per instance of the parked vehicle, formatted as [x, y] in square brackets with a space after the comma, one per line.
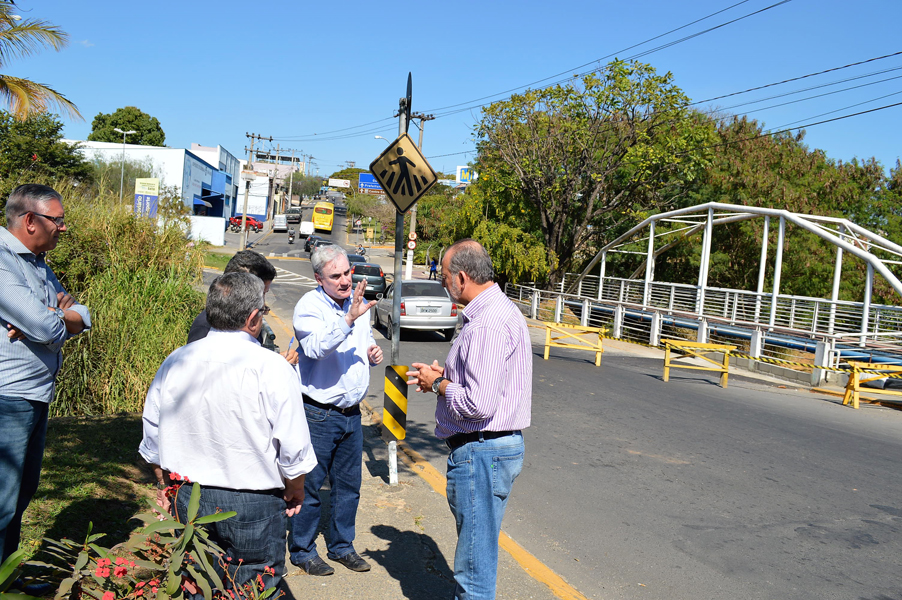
[251, 223]
[308, 244]
[280, 223]
[319, 244]
[306, 229]
[293, 214]
[372, 274]
[425, 306]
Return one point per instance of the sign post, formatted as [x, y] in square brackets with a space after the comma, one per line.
[405, 175]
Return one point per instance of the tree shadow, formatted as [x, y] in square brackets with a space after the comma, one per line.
[415, 561]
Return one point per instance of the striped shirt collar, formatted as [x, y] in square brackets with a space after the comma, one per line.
[478, 305]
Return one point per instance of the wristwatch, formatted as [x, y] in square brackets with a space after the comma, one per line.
[60, 313]
[437, 383]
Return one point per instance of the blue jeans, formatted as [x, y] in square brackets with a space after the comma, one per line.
[23, 430]
[480, 477]
[255, 537]
[338, 443]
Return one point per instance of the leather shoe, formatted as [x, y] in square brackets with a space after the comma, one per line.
[354, 562]
[316, 566]
[31, 589]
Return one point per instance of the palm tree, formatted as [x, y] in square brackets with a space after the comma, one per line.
[20, 38]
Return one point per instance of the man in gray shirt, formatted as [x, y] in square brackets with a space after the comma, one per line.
[38, 316]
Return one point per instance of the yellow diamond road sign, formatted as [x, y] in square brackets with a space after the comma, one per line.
[403, 173]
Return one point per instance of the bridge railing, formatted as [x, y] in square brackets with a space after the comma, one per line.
[788, 327]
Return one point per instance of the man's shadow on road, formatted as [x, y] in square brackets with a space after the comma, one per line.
[415, 561]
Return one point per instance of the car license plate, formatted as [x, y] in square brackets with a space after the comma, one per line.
[429, 310]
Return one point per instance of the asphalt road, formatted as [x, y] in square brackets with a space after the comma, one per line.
[635, 488]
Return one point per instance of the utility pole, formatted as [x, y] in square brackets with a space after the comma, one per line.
[408, 273]
[290, 181]
[275, 177]
[247, 186]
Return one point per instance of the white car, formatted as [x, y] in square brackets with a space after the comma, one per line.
[425, 305]
[280, 223]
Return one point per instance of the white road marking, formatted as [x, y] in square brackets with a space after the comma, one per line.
[286, 276]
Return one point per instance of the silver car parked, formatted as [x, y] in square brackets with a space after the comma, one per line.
[425, 306]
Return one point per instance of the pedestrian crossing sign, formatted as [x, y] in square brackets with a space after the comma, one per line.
[403, 173]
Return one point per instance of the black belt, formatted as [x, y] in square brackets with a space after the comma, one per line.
[351, 410]
[459, 439]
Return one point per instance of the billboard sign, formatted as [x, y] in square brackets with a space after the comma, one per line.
[465, 175]
[147, 196]
[340, 183]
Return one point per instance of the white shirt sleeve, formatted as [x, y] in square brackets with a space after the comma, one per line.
[289, 423]
[150, 445]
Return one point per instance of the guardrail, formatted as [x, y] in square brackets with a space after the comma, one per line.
[804, 331]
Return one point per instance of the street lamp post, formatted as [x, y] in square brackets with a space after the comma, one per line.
[122, 173]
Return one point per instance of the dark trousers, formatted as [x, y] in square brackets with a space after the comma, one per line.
[23, 431]
[255, 537]
[338, 442]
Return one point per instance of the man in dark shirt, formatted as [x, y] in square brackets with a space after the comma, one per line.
[245, 261]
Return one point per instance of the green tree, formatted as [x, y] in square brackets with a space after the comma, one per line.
[24, 37]
[31, 152]
[750, 168]
[568, 161]
[305, 185]
[147, 129]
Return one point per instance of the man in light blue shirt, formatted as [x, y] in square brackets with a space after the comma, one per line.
[38, 316]
[336, 349]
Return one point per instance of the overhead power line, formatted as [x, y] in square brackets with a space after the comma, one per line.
[314, 136]
[761, 87]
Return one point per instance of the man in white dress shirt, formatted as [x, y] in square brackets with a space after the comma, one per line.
[224, 412]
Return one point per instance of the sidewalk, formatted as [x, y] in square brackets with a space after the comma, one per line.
[407, 534]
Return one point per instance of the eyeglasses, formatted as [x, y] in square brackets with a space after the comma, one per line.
[58, 221]
[265, 310]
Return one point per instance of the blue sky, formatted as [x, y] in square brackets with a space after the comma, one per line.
[212, 71]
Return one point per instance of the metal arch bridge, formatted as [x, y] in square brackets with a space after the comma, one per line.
[832, 329]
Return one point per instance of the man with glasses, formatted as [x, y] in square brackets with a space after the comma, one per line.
[224, 412]
[483, 402]
[39, 317]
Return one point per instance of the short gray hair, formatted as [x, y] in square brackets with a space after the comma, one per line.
[323, 255]
[231, 300]
[27, 198]
[470, 257]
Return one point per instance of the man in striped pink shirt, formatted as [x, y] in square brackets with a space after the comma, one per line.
[484, 401]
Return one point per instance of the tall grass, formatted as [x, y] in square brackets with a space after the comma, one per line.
[139, 282]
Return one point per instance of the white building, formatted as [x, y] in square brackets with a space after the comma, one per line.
[205, 177]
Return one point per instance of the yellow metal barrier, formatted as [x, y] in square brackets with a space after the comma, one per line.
[575, 332]
[697, 350]
[857, 377]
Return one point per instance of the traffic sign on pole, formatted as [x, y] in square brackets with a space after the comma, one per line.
[411, 244]
[403, 173]
[412, 236]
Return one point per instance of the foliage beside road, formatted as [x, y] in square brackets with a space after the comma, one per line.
[138, 282]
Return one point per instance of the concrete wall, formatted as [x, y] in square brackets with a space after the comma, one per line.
[211, 229]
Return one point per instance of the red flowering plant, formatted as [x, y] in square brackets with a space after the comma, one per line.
[164, 560]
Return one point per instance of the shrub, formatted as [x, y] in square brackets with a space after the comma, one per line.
[138, 280]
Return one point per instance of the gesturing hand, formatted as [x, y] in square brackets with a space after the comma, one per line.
[424, 375]
[358, 305]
